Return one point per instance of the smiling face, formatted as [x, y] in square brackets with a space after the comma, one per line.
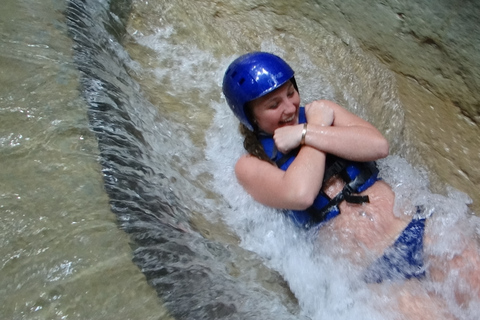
[277, 109]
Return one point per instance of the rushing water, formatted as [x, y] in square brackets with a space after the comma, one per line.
[125, 98]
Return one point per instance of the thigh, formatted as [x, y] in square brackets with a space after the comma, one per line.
[459, 268]
[411, 301]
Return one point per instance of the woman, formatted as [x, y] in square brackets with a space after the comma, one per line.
[316, 161]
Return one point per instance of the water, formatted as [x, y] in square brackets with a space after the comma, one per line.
[62, 255]
[201, 248]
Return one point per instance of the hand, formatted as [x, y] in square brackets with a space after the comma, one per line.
[288, 138]
[319, 112]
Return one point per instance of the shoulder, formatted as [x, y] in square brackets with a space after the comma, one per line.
[250, 168]
[248, 162]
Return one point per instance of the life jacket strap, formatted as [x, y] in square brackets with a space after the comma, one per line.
[366, 177]
[356, 199]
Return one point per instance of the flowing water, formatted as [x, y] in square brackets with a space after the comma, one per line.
[117, 145]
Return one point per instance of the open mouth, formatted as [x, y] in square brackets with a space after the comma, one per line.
[287, 121]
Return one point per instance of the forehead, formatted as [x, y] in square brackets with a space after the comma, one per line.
[272, 95]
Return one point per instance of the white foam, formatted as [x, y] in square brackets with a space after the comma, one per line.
[326, 287]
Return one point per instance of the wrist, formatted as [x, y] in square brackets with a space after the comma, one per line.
[304, 134]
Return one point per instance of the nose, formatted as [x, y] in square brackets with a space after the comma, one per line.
[289, 106]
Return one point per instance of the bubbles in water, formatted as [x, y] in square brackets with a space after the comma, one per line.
[325, 286]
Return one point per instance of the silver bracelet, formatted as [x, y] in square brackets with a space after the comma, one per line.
[304, 134]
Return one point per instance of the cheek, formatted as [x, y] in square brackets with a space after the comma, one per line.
[268, 121]
[264, 115]
[273, 116]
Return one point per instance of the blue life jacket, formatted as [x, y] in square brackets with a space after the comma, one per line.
[358, 177]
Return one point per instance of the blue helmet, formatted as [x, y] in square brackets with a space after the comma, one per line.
[252, 76]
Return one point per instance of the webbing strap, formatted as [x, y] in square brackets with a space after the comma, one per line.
[356, 199]
[337, 166]
[368, 170]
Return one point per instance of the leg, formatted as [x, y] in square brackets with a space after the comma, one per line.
[461, 270]
[421, 305]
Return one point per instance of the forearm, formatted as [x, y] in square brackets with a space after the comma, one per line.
[347, 136]
[357, 143]
[304, 177]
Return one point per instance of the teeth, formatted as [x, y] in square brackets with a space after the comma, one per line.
[290, 119]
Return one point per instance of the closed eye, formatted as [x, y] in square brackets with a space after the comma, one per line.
[273, 106]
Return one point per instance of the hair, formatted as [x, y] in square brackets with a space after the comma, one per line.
[251, 142]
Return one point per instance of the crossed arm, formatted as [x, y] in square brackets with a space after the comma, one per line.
[331, 129]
